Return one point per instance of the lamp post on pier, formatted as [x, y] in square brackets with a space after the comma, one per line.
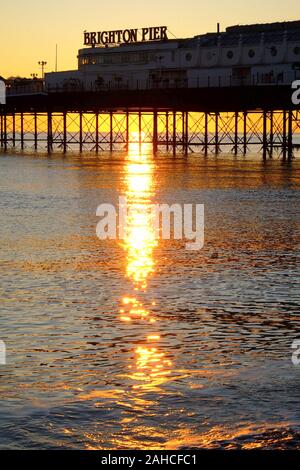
[42, 63]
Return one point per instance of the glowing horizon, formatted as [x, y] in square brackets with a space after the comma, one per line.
[29, 32]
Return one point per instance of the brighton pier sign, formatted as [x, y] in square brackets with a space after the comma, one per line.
[120, 36]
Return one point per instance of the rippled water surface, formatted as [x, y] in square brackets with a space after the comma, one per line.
[142, 344]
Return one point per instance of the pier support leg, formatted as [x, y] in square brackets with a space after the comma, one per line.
[217, 134]
[284, 135]
[183, 131]
[22, 131]
[140, 131]
[127, 130]
[271, 134]
[111, 131]
[205, 134]
[186, 133]
[14, 130]
[49, 132]
[155, 133]
[97, 133]
[265, 137]
[65, 132]
[35, 132]
[80, 133]
[290, 135]
[245, 133]
[174, 133]
[167, 130]
[236, 132]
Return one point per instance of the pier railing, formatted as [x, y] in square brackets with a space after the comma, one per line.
[282, 79]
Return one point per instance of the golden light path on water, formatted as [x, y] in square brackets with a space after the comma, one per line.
[89, 350]
[151, 366]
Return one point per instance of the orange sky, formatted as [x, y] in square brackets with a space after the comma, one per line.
[30, 29]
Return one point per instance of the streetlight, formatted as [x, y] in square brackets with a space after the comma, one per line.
[42, 63]
[33, 75]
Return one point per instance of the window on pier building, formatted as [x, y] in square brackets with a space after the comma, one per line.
[128, 58]
[273, 51]
[296, 50]
[87, 60]
[108, 59]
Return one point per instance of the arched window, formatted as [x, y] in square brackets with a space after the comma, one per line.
[273, 51]
[296, 50]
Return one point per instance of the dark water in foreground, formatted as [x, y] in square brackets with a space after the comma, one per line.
[145, 344]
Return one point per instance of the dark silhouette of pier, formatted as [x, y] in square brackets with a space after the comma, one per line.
[178, 119]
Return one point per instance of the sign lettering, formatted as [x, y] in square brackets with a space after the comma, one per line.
[105, 38]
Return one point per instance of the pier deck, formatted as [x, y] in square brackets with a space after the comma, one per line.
[177, 119]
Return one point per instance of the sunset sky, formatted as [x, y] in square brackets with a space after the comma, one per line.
[30, 29]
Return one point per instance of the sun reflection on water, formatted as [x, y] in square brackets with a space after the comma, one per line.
[150, 367]
[140, 239]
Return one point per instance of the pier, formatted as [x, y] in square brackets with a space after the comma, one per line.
[217, 92]
[205, 120]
